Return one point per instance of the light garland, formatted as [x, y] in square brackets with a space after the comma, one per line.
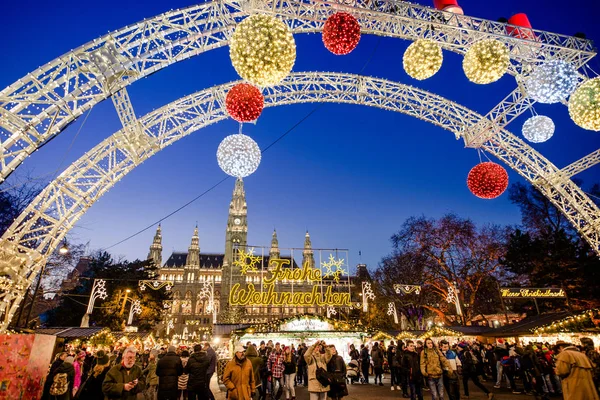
[238, 155]
[567, 324]
[487, 180]
[244, 102]
[423, 59]
[341, 33]
[538, 129]
[486, 61]
[584, 105]
[262, 50]
[552, 82]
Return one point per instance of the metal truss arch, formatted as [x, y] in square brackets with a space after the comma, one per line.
[40, 105]
[39, 229]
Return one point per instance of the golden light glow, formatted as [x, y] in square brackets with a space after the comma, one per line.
[423, 59]
[486, 61]
[584, 105]
[262, 50]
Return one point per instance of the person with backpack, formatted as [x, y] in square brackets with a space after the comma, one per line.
[62, 383]
[469, 370]
[58, 360]
[317, 356]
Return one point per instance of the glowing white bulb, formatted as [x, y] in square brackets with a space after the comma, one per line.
[552, 82]
[538, 129]
[238, 155]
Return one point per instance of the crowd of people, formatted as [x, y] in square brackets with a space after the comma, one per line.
[272, 370]
[165, 374]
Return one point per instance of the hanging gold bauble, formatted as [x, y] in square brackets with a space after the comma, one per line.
[262, 50]
[584, 105]
[423, 59]
[486, 61]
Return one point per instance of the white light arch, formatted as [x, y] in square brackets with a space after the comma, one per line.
[40, 228]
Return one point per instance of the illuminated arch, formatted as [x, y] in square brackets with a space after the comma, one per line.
[40, 228]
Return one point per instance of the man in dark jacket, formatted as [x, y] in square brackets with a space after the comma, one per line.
[124, 381]
[212, 357]
[168, 370]
[60, 358]
[196, 367]
[412, 365]
[257, 365]
[365, 363]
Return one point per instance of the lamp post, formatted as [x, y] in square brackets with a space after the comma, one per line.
[127, 291]
[98, 292]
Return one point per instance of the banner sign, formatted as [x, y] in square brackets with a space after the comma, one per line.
[531, 293]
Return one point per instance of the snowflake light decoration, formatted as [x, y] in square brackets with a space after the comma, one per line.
[368, 291]
[486, 61]
[451, 297]
[538, 129]
[334, 268]
[136, 308]
[247, 261]
[552, 82]
[391, 309]
[101, 289]
[238, 155]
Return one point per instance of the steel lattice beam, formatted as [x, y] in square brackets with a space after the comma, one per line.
[40, 228]
[40, 105]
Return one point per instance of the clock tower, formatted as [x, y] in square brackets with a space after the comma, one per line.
[235, 236]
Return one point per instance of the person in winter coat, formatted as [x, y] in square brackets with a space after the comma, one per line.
[124, 381]
[377, 358]
[212, 367]
[317, 355]
[533, 372]
[289, 373]
[469, 370]
[257, 365]
[402, 376]
[239, 377]
[168, 370]
[78, 366]
[590, 351]
[182, 392]
[275, 367]
[58, 360]
[151, 378]
[394, 363]
[65, 368]
[433, 364]
[196, 368]
[337, 370]
[575, 369]
[412, 367]
[451, 379]
[92, 388]
[365, 362]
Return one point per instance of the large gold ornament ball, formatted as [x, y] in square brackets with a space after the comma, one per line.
[486, 61]
[584, 105]
[262, 50]
[423, 59]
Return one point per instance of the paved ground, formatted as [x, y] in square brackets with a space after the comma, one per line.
[363, 392]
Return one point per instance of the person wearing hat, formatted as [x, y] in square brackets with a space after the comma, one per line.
[575, 370]
[238, 376]
[168, 370]
[92, 388]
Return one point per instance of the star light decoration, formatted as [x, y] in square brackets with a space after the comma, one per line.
[538, 129]
[341, 33]
[334, 268]
[391, 308]
[247, 261]
[238, 155]
[552, 82]
[368, 291]
[486, 61]
[423, 59]
[487, 180]
[244, 102]
[207, 293]
[262, 50]
[584, 105]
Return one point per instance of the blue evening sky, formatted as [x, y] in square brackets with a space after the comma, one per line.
[351, 175]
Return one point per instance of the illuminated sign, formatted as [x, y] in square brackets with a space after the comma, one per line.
[320, 295]
[530, 293]
[305, 325]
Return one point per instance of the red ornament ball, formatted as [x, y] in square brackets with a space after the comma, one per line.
[244, 102]
[341, 33]
[487, 180]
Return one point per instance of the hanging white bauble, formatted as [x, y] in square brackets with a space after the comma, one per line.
[538, 129]
[552, 82]
[238, 155]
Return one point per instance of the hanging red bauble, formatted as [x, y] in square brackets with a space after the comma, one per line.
[244, 102]
[487, 180]
[341, 33]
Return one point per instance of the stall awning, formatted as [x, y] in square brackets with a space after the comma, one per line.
[70, 332]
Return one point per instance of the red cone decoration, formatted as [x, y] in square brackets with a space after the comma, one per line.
[244, 102]
[487, 180]
[341, 33]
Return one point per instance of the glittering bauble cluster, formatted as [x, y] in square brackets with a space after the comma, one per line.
[538, 129]
[244, 102]
[238, 155]
[341, 33]
[487, 180]
[262, 50]
[584, 105]
[423, 59]
[552, 82]
[486, 61]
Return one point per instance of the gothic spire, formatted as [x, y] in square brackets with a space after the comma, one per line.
[307, 254]
[155, 253]
[274, 252]
[193, 257]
